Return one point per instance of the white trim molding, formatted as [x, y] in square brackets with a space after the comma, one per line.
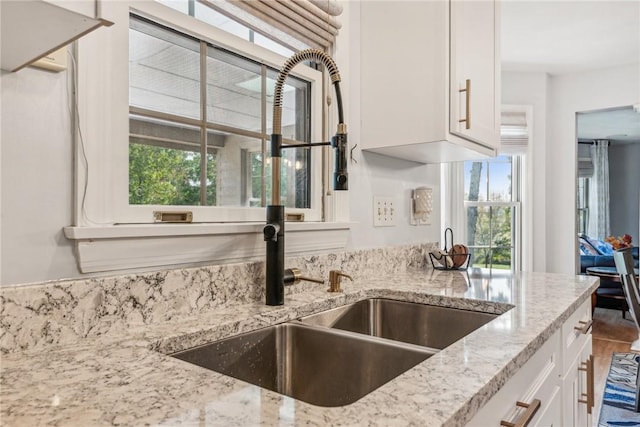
[135, 246]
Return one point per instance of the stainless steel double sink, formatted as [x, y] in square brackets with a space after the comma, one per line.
[337, 356]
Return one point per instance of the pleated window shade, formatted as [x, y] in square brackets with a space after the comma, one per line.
[585, 162]
[514, 133]
[299, 23]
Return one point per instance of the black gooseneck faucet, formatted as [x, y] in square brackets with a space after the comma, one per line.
[276, 275]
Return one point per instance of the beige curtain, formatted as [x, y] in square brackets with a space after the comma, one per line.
[297, 23]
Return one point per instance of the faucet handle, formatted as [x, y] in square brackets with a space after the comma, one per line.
[334, 280]
[293, 276]
[270, 232]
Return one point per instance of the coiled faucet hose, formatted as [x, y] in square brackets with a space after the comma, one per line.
[304, 55]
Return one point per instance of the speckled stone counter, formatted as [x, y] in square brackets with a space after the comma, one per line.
[123, 378]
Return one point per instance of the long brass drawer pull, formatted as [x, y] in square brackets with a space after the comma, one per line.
[467, 90]
[590, 394]
[586, 401]
[584, 326]
[524, 420]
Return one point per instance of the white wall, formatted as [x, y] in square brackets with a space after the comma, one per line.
[555, 101]
[37, 173]
[624, 176]
[377, 175]
[520, 88]
[36, 178]
[569, 94]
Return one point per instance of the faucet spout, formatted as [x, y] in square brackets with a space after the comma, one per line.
[274, 229]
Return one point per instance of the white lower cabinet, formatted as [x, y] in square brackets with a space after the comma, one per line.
[577, 404]
[554, 387]
[577, 371]
[537, 383]
[552, 412]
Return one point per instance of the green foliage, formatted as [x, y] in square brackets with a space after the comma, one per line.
[493, 227]
[165, 176]
[488, 226]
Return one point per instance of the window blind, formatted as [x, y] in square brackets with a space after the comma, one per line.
[299, 23]
[585, 162]
[514, 133]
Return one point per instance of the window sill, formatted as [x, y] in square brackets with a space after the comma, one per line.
[136, 246]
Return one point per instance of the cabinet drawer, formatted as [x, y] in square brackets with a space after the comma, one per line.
[550, 415]
[574, 333]
[539, 378]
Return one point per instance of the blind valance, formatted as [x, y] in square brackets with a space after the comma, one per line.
[585, 163]
[514, 133]
[298, 23]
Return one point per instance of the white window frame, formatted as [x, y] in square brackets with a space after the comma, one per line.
[112, 235]
[453, 210]
[515, 204]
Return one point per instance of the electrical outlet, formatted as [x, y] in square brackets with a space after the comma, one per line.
[384, 211]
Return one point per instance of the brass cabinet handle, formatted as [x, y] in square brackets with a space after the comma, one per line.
[584, 326]
[524, 420]
[467, 90]
[591, 393]
[588, 367]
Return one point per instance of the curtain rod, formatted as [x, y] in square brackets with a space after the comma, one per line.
[592, 141]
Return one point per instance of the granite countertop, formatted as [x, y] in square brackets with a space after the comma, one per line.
[125, 379]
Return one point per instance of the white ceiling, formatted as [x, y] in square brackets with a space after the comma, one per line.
[617, 125]
[559, 37]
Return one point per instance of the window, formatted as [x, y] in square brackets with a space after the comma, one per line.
[487, 202]
[174, 114]
[218, 20]
[583, 205]
[200, 120]
[492, 206]
[585, 173]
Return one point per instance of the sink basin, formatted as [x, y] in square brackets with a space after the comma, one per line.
[425, 325]
[320, 366]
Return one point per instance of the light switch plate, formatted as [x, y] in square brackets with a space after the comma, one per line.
[384, 211]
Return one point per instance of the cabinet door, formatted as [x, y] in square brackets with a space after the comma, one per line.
[551, 416]
[403, 77]
[538, 379]
[475, 71]
[571, 389]
[586, 385]
[576, 405]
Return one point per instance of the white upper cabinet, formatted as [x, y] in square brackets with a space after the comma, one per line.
[430, 79]
[475, 71]
[31, 29]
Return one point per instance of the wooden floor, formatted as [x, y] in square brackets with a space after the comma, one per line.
[611, 333]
